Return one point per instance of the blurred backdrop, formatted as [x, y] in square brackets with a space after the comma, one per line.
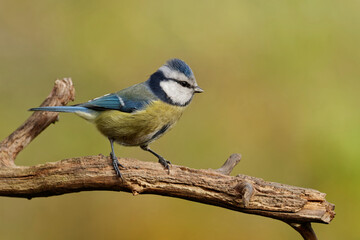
[281, 84]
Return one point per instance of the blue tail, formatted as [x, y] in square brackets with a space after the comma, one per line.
[61, 109]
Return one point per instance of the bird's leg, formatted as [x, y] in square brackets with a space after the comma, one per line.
[162, 160]
[114, 159]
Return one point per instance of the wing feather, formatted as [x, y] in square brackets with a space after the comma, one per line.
[128, 100]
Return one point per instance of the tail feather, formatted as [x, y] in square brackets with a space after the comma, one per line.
[61, 109]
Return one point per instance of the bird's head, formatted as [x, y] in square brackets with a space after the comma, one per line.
[174, 82]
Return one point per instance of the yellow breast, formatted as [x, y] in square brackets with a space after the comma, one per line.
[140, 127]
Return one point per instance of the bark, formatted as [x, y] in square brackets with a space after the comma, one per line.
[294, 205]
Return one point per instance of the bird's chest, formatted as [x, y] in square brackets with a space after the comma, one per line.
[140, 127]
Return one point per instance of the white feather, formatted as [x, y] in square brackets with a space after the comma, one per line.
[177, 93]
[99, 97]
[121, 100]
[169, 73]
[90, 116]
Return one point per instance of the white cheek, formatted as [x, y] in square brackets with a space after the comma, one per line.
[176, 93]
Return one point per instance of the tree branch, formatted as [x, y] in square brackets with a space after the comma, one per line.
[62, 93]
[294, 205]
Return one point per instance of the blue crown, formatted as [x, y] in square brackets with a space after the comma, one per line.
[180, 66]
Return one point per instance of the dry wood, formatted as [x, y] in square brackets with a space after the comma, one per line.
[294, 205]
[284, 202]
[62, 93]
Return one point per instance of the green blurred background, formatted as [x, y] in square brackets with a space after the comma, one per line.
[281, 82]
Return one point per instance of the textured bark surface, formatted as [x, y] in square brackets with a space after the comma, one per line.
[280, 201]
[62, 93]
[294, 205]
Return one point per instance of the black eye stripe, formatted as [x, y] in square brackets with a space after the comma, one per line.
[182, 83]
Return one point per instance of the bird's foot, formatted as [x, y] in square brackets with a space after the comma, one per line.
[166, 164]
[116, 165]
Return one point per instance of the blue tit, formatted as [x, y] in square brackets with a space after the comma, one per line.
[140, 114]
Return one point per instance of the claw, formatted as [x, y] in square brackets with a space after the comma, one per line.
[116, 165]
[162, 160]
[115, 161]
[165, 163]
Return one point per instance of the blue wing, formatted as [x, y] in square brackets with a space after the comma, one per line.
[128, 100]
[115, 102]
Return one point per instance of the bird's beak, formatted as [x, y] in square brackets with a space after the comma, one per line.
[198, 89]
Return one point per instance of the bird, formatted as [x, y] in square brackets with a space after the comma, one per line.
[140, 114]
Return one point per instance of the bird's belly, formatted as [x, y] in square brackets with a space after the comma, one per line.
[140, 127]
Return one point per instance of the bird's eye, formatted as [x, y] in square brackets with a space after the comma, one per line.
[184, 84]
